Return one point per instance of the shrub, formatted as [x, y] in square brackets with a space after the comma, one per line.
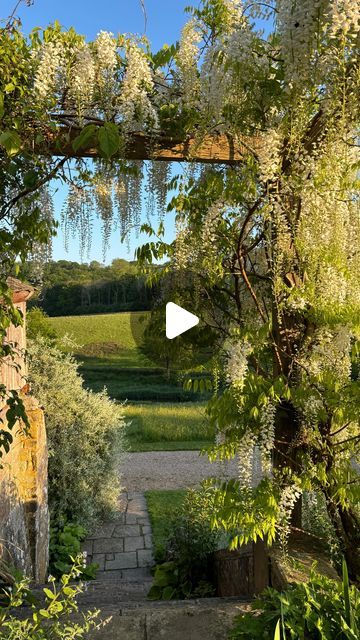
[85, 436]
[37, 323]
[65, 544]
[49, 619]
[187, 570]
[320, 609]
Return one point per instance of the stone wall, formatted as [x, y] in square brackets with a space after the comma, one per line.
[24, 517]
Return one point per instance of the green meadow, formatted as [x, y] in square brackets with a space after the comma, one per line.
[160, 414]
[105, 339]
[167, 426]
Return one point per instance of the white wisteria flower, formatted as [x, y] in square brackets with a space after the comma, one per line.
[187, 59]
[49, 76]
[82, 79]
[135, 106]
[105, 47]
[237, 362]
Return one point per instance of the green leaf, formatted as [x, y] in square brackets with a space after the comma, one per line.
[109, 139]
[155, 593]
[11, 142]
[10, 87]
[30, 178]
[168, 593]
[49, 594]
[346, 591]
[2, 109]
[277, 631]
[85, 138]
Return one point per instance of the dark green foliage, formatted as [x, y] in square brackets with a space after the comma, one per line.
[14, 412]
[321, 609]
[171, 354]
[65, 545]
[172, 583]
[187, 570]
[70, 288]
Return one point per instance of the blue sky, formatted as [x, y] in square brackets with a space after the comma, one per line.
[165, 19]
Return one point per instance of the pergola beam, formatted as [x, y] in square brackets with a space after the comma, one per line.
[212, 149]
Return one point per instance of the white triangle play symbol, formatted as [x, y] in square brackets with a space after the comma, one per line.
[178, 320]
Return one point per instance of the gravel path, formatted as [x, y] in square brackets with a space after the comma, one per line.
[170, 470]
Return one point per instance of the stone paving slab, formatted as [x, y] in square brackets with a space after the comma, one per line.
[123, 548]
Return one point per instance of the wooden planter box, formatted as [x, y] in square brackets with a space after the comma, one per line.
[243, 572]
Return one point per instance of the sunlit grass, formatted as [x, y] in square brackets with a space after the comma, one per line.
[162, 506]
[105, 338]
[167, 426]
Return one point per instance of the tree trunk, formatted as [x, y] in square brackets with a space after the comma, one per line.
[287, 426]
[285, 453]
[347, 528]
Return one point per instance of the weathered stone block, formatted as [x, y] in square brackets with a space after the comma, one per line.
[24, 516]
[108, 545]
[134, 543]
[122, 561]
[124, 530]
[146, 529]
[148, 542]
[87, 547]
[145, 558]
[131, 518]
[140, 573]
[105, 531]
[99, 558]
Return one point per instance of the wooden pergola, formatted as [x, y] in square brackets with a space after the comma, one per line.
[211, 149]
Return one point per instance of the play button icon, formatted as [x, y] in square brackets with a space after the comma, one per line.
[178, 320]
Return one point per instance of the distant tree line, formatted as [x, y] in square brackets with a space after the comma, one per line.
[70, 288]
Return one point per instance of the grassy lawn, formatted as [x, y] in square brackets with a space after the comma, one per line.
[162, 505]
[105, 338]
[177, 426]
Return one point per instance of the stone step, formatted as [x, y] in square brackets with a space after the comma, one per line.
[110, 592]
[205, 619]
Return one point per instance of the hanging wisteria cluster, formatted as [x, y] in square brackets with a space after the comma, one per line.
[118, 195]
[110, 79]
